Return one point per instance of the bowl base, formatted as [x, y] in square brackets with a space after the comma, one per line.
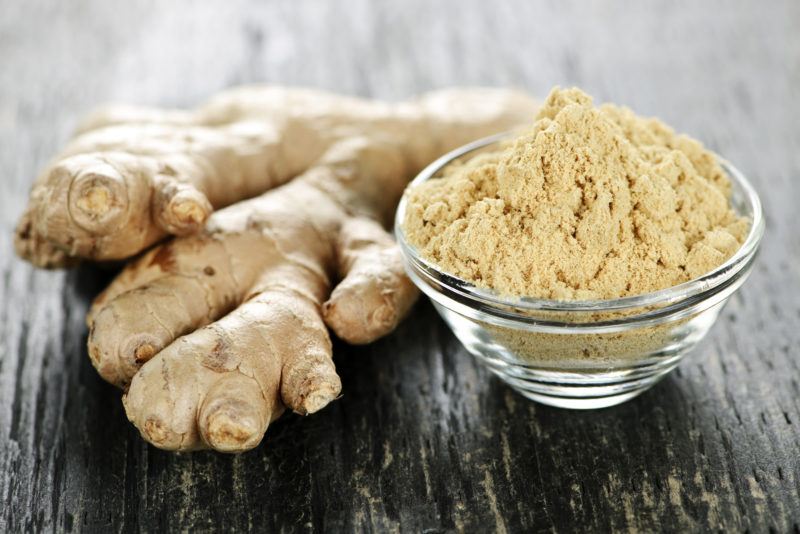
[583, 390]
[581, 403]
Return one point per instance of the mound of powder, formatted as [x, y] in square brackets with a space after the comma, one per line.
[591, 203]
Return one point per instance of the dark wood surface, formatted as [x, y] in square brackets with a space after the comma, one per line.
[423, 439]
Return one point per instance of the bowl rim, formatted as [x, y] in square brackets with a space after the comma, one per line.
[671, 295]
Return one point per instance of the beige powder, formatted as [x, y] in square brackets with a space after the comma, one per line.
[590, 203]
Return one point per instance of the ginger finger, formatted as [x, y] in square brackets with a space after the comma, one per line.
[116, 191]
[199, 392]
[234, 414]
[374, 294]
[104, 196]
[308, 377]
[227, 163]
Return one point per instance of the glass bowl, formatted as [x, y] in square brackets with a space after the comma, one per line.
[582, 354]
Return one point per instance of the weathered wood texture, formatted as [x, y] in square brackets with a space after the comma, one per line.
[423, 439]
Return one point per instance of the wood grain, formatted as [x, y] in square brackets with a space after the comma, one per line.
[423, 439]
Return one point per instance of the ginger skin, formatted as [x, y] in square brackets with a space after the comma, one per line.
[215, 333]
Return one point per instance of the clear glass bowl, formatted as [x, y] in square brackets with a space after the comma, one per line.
[582, 354]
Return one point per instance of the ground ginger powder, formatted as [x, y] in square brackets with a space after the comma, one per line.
[590, 203]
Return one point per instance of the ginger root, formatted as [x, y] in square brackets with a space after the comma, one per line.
[215, 333]
[135, 175]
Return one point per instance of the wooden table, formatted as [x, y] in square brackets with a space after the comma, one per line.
[423, 439]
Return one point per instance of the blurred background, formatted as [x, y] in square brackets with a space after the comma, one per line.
[422, 439]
